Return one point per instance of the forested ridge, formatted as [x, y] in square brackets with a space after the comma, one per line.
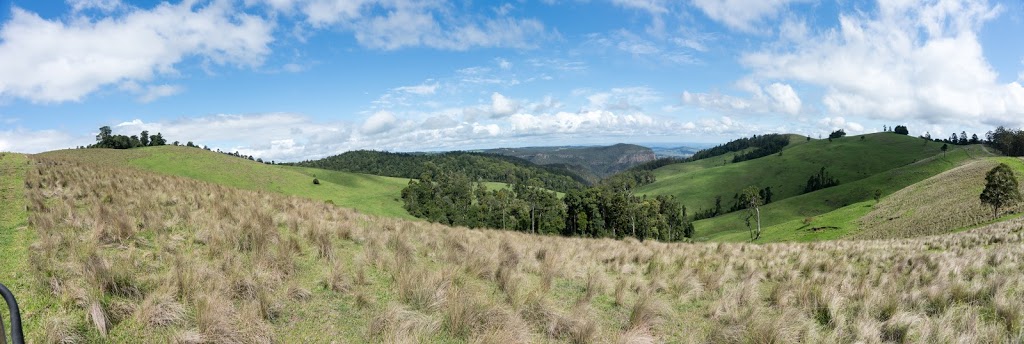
[592, 162]
[608, 210]
[475, 166]
[763, 145]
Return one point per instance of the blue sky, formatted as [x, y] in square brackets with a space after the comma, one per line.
[290, 80]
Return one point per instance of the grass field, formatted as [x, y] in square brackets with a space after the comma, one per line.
[129, 255]
[940, 204]
[793, 211]
[848, 159]
[15, 239]
[886, 162]
[371, 194]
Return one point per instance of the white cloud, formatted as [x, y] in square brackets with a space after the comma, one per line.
[622, 98]
[154, 92]
[776, 98]
[34, 141]
[102, 5]
[396, 24]
[379, 122]
[836, 123]
[652, 6]
[65, 60]
[649, 49]
[743, 15]
[908, 60]
[784, 98]
[422, 89]
[502, 106]
[589, 121]
[504, 64]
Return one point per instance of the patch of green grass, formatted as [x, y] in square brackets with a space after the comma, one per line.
[15, 238]
[370, 194]
[731, 227]
[848, 159]
[833, 225]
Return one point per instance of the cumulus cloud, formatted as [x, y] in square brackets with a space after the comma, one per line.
[776, 98]
[502, 106]
[379, 122]
[907, 60]
[34, 141]
[784, 97]
[66, 59]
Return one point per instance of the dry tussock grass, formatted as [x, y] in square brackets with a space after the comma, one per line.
[204, 263]
[936, 205]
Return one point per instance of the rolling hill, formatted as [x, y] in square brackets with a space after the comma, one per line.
[476, 165]
[368, 193]
[883, 161]
[101, 251]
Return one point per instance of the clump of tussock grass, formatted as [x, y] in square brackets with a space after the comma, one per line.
[160, 309]
[337, 278]
[422, 288]
[398, 324]
[647, 312]
[61, 328]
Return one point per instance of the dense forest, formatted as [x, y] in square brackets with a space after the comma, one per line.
[764, 145]
[1008, 141]
[606, 210]
[475, 166]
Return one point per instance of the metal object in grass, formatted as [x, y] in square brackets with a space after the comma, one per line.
[17, 337]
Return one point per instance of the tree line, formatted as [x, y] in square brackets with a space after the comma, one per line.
[764, 145]
[607, 210]
[476, 166]
[106, 139]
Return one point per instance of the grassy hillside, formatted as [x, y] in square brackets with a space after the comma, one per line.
[131, 255]
[937, 205]
[795, 210]
[371, 194]
[848, 159]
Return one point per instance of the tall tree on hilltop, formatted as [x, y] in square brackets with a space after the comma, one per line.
[1000, 188]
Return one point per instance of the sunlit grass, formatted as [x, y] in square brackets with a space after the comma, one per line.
[150, 257]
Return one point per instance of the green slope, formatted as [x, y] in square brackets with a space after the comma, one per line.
[940, 204]
[371, 194]
[848, 159]
[840, 206]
